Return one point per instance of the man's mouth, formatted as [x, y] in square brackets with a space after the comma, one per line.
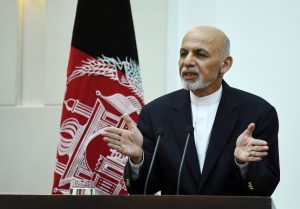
[189, 75]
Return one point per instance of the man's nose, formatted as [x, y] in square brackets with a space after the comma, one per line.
[189, 60]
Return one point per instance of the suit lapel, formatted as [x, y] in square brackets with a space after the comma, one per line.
[181, 118]
[224, 123]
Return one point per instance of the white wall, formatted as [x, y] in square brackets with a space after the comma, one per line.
[28, 124]
[265, 48]
[34, 55]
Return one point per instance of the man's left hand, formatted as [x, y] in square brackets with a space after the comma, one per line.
[249, 149]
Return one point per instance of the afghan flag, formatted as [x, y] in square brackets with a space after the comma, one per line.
[103, 82]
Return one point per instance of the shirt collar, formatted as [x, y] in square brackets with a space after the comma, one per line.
[206, 100]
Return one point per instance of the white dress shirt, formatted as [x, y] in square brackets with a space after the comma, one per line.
[204, 111]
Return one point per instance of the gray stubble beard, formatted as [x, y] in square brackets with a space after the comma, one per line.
[196, 84]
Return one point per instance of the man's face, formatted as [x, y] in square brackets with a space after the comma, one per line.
[200, 61]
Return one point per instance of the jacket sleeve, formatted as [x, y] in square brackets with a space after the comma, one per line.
[263, 176]
[137, 186]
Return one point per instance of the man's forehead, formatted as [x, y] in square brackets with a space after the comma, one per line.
[199, 36]
[196, 43]
[203, 37]
[187, 46]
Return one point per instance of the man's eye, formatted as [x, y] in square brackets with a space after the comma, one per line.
[183, 54]
[201, 55]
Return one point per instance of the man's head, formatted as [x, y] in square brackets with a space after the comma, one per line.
[204, 59]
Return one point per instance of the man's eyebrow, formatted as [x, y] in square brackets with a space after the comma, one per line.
[196, 50]
[201, 50]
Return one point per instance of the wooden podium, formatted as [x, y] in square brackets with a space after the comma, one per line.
[133, 202]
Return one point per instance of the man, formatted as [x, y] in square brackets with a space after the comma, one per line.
[234, 146]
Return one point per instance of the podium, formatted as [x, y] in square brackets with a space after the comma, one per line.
[133, 202]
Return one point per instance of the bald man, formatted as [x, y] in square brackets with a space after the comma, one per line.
[233, 149]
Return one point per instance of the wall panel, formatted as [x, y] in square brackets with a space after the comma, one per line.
[9, 53]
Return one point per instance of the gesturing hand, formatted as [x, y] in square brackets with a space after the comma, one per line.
[128, 142]
[249, 149]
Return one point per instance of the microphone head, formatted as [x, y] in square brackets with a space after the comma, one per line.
[160, 131]
[189, 129]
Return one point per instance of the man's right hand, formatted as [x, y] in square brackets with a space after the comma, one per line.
[128, 142]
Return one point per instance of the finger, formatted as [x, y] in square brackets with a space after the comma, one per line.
[112, 129]
[258, 154]
[112, 141]
[259, 148]
[115, 147]
[259, 142]
[250, 129]
[254, 159]
[129, 122]
[111, 135]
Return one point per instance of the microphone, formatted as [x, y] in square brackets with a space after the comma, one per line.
[159, 133]
[189, 130]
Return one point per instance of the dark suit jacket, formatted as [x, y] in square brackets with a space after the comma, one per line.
[220, 175]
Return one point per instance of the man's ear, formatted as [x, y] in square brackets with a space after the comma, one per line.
[226, 65]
